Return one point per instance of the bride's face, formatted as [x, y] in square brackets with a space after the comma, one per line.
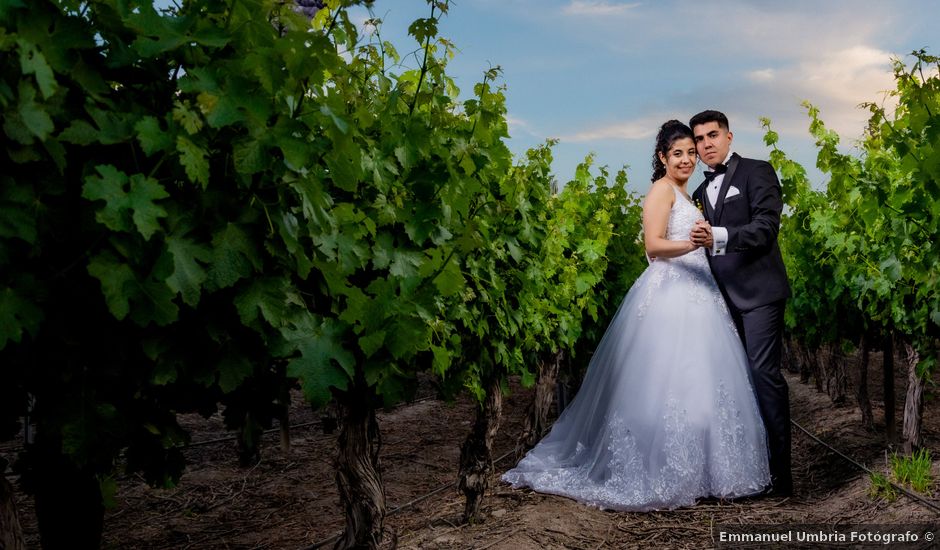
[680, 159]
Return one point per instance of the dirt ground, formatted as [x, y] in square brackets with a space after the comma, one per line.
[289, 501]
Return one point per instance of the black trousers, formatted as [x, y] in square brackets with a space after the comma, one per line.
[761, 331]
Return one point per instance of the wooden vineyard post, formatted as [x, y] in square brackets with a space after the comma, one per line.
[861, 391]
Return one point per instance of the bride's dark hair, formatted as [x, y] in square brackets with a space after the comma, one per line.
[669, 132]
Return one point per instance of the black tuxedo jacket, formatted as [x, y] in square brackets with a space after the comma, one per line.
[751, 272]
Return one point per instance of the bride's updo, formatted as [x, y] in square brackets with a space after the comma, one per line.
[669, 132]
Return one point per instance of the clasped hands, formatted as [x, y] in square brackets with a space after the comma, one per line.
[701, 234]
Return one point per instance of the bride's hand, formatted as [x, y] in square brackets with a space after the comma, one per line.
[701, 234]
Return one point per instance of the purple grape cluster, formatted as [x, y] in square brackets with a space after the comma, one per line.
[308, 7]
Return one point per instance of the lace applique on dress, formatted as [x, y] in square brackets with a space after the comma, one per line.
[693, 266]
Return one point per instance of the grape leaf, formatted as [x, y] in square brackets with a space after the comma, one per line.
[118, 282]
[151, 137]
[193, 158]
[233, 370]
[32, 61]
[323, 361]
[17, 315]
[123, 196]
[34, 117]
[233, 256]
[188, 275]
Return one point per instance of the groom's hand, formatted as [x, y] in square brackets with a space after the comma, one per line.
[701, 234]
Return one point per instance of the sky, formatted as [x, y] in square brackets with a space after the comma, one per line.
[601, 76]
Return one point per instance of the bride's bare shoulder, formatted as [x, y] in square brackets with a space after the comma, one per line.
[660, 190]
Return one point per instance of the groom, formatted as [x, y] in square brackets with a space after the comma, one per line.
[742, 204]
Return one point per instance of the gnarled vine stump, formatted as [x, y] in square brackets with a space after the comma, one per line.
[358, 475]
[476, 453]
[914, 403]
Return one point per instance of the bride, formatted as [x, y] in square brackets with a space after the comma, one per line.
[665, 414]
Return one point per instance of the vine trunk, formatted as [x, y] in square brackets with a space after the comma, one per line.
[11, 532]
[358, 475]
[536, 419]
[476, 453]
[914, 403]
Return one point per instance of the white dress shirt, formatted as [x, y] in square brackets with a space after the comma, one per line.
[719, 234]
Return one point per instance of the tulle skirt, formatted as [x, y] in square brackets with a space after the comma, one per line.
[666, 413]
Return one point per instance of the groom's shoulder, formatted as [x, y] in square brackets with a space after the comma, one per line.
[754, 164]
[747, 161]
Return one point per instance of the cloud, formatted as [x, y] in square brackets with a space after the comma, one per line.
[836, 81]
[637, 129]
[598, 8]
[850, 74]
[762, 75]
[520, 126]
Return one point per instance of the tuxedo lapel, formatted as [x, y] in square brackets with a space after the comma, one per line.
[725, 185]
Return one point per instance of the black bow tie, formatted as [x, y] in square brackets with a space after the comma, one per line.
[719, 169]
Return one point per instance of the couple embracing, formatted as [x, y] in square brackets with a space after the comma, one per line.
[683, 398]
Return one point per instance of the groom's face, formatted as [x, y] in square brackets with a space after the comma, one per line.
[712, 142]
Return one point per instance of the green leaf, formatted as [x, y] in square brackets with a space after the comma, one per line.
[220, 111]
[442, 360]
[233, 256]
[109, 187]
[107, 486]
[123, 196]
[341, 124]
[143, 192]
[345, 163]
[412, 334]
[584, 282]
[267, 297]
[323, 361]
[233, 370]
[34, 117]
[194, 160]
[422, 29]
[405, 156]
[371, 343]
[164, 373]
[187, 118]
[113, 126]
[151, 137]
[249, 156]
[405, 263]
[188, 275]
[316, 201]
[118, 282]
[155, 304]
[79, 132]
[17, 315]
[18, 212]
[32, 61]
[450, 281]
[296, 152]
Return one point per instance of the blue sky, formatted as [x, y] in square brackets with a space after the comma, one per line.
[602, 75]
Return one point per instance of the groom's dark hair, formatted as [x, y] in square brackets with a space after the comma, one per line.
[710, 116]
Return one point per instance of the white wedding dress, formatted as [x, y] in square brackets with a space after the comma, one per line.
[665, 414]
